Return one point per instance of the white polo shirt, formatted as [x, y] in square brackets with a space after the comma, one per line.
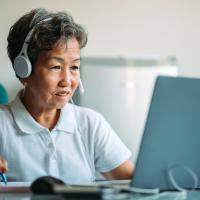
[80, 143]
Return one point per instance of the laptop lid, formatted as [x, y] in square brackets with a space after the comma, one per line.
[170, 145]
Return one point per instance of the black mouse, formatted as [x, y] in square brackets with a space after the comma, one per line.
[45, 185]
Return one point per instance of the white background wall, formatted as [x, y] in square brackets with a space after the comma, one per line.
[133, 27]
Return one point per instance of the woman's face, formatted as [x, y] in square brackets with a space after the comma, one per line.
[55, 76]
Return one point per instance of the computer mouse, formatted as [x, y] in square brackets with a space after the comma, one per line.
[45, 185]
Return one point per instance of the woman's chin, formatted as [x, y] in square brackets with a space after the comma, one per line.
[61, 104]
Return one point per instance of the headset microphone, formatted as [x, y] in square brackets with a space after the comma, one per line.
[81, 88]
[22, 64]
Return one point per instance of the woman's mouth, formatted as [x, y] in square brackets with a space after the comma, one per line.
[63, 94]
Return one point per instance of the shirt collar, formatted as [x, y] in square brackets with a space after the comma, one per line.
[67, 121]
[26, 123]
[23, 119]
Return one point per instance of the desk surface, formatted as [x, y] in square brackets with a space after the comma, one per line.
[162, 196]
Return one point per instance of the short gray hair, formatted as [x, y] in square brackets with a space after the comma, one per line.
[61, 26]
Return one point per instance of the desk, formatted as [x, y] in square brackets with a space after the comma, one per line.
[163, 196]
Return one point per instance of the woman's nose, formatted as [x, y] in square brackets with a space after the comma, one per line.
[66, 79]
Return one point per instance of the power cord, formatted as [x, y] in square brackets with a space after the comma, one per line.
[171, 171]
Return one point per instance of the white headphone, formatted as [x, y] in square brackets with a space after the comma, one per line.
[22, 65]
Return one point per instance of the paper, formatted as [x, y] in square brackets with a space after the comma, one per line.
[15, 187]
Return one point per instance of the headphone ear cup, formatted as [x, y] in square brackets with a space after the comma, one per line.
[22, 66]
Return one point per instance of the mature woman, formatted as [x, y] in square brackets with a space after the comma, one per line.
[41, 133]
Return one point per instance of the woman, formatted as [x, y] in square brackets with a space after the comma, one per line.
[41, 133]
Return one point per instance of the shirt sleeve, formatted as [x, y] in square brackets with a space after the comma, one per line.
[110, 152]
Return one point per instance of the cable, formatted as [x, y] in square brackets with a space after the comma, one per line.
[142, 190]
[188, 170]
[166, 195]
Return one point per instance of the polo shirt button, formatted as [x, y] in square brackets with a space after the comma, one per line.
[50, 145]
[54, 159]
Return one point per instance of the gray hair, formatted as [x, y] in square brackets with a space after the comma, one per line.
[60, 27]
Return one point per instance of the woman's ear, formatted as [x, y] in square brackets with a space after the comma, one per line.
[24, 82]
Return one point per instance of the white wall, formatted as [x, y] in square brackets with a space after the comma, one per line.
[119, 28]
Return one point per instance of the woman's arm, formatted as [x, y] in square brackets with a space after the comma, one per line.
[124, 171]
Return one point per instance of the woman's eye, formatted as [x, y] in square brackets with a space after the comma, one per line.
[56, 67]
[74, 67]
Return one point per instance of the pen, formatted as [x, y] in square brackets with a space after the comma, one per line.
[3, 177]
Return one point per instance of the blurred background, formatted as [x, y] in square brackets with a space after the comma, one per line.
[130, 43]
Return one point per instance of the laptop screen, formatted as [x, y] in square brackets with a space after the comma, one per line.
[171, 140]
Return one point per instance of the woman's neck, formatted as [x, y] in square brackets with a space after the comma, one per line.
[44, 116]
[47, 119]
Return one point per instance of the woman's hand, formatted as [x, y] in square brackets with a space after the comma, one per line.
[3, 165]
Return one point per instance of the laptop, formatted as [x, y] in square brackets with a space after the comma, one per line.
[169, 158]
